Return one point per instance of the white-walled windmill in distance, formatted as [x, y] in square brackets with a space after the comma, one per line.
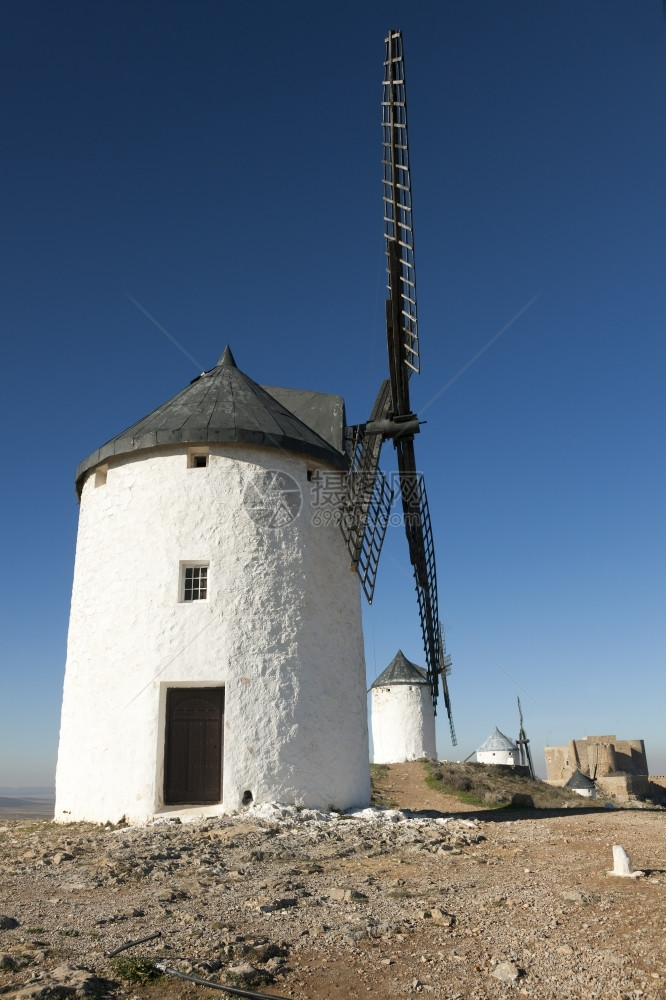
[402, 714]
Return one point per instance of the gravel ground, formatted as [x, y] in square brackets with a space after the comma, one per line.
[307, 905]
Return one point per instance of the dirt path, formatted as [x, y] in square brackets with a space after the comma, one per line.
[404, 786]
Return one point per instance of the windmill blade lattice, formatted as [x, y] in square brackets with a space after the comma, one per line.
[524, 745]
[367, 504]
[446, 666]
[397, 196]
[418, 529]
[368, 500]
[403, 355]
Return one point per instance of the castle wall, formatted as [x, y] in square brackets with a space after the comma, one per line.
[657, 787]
[618, 766]
[596, 755]
[623, 786]
[560, 763]
[280, 630]
[630, 756]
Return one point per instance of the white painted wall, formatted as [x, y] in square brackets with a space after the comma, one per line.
[403, 723]
[497, 757]
[281, 630]
[587, 793]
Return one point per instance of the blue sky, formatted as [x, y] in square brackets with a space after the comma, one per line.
[221, 164]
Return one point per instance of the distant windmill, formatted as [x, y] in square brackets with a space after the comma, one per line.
[524, 745]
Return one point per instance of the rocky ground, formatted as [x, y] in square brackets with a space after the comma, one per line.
[450, 902]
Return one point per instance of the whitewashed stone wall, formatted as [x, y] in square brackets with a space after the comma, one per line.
[403, 723]
[281, 630]
[497, 757]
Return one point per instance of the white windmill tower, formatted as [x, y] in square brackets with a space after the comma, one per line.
[402, 715]
[215, 652]
[497, 749]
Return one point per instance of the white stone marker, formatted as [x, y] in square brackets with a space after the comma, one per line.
[622, 865]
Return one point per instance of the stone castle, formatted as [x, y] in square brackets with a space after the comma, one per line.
[618, 767]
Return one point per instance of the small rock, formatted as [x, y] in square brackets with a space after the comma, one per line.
[574, 896]
[7, 923]
[61, 856]
[246, 976]
[347, 895]
[354, 896]
[564, 949]
[354, 932]
[7, 962]
[521, 801]
[189, 886]
[64, 981]
[209, 965]
[506, 972]
[441, 918]
[166, 896]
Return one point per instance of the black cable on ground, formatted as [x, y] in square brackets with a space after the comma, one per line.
[236, 990]
[130, 944]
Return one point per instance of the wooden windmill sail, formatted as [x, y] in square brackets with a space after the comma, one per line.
[369, 497]
[524, 745]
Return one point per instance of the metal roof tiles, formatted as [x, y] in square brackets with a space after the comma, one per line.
[400, 671]
[497, 741]
[224, 405]
[580, 780]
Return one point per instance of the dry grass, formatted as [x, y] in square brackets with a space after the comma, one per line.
[378, 797]
[490, 786]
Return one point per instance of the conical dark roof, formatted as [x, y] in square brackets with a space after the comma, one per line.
[401, 671]
[580, 780]
[225, 405]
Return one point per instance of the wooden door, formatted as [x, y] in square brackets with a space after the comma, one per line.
[193, 755]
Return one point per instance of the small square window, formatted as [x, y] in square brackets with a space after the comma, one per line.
[197, 458]
[195, 583]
